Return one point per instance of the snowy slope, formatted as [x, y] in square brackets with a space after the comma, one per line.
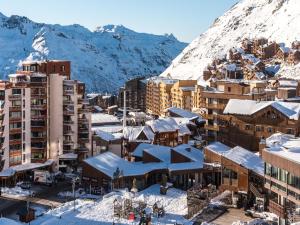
[276, 20]
[104, 58]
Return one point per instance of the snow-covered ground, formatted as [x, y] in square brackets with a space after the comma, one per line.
[16, 191]
[101, 212]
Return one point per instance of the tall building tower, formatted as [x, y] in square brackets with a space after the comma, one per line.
[43, 115]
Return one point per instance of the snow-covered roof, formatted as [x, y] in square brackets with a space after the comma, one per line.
[108, 128]
[31, 166]
[132, 133]
[189, 152]
[7, 173]
[6, 221]
[288, 83]
[98, 108]
[69, 156]
[245, 158]
[106, 136]
[183, 113]
[103, 118]
[284, 145]
[108, 162]
[218, 148]
[163, 125]
[138, 151]
[289, 109]
[183, 130]
[24, 167]
[160, 152]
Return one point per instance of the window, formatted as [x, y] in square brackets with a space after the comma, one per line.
[270, 130]
[247, 127]
[229, 89]
[290, 131]
[258, 128]
[63, 68]
[16, 91]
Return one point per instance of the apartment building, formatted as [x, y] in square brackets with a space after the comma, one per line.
[135, 94]
[158, 95]
[216, 97]
[247, 122]
[282, 176]
[182, 94]
[44, 115]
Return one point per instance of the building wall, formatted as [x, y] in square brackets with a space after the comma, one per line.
[55, 116]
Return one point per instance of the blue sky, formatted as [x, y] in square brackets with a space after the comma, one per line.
[186, 19]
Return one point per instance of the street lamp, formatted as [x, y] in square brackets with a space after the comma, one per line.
[73, 188]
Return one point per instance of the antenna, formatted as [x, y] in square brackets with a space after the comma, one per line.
[124, 108]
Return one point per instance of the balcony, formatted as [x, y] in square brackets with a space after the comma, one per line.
[219, 106]
[38, 117]
[68, 102]
[68, 112]
[83, 120]
[15, 119]
[68, 142]
[82, 150]
[39, 107]
[277, 209]
[83, 140]
[68, 122]
[15, 108]
[39, 139]
[68, 132]
[83, 110]
[211, 127]
[68, 92]
[15, 130]
[15, 141]
[14, 97]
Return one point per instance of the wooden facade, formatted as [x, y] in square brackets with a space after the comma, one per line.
[248, 130]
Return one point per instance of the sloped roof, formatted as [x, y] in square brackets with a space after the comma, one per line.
[108, 162]
[106, 136]
[285, 146]
[249, 107]
[163, 125]
[218, 147]
[132, 133]
[245, 158]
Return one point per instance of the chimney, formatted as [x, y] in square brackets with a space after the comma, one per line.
[261, 146]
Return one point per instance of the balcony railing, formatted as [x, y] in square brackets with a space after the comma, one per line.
[211, 127]
[14, 97]
[68, 122]
[277, 209]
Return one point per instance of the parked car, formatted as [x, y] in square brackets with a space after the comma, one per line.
[25, 185]
[59, 176]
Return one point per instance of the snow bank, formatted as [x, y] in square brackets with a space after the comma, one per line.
[101, 212]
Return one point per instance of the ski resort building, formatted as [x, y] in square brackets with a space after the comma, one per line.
[216, 97]
[44, 115]
[241, 171]
[135, 94]
[182, 164]
[281, 154]
[247, 122]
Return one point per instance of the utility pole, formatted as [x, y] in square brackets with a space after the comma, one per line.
[124, 108]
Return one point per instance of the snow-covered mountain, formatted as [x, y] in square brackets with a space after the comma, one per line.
[277, 20]
[104, 58]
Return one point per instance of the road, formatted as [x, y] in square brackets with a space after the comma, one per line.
[44, 196]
